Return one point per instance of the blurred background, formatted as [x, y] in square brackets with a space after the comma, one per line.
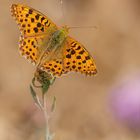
[104, 107]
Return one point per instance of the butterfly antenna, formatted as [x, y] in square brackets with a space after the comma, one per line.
[90, 27]
[62, 8]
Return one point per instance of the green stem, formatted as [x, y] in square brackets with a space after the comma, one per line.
[47, 135]
[45, 80]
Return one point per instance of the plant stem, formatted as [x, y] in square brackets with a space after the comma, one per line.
[45, 81]
[47, 135]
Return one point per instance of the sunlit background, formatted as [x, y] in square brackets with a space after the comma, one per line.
[104, 107]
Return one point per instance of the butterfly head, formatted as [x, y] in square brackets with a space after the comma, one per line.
[65, 30]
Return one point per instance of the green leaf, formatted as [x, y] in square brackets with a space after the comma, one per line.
[33, 93]
[53, 104]
[45, 86]
[33, 82]
[35, 98]
[52, 80]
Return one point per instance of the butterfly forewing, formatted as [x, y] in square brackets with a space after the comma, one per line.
[77, 58]
[30, 21]
[35, 29]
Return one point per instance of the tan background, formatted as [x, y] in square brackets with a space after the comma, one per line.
[82, 111]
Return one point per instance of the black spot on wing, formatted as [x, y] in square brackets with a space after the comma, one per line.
[84, 61]
[81, 52]
[73, 52]
[87, 57]
[36, 30]
[37, 16]
[39, 24]
[42, 19]
[78, 57]
[32, 19]
[30, 11]
[42, 29]
[27, 15]
[78, 48]
[68, 56]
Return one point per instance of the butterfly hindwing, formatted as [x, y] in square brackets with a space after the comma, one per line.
[74, 57]
[54, 64]
[30, 48]
[55, 67]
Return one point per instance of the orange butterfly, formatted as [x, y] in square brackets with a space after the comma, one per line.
[49, 47]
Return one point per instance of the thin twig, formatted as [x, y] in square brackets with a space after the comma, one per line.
[47, 136]
[63, 15]
[45, 80]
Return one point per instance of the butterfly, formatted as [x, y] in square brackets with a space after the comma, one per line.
[49, 47]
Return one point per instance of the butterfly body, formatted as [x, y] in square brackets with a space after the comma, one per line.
[53, 46]
[57, 39]
[48, 47]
